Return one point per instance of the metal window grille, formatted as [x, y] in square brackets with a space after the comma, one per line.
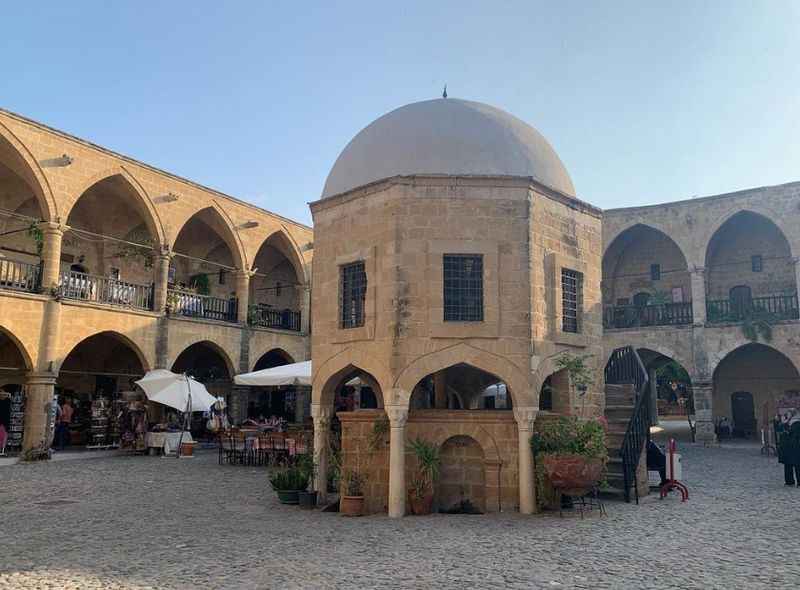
[353, 288]
[572, 300]
[463, 287]
[757, 263]
[655, 272]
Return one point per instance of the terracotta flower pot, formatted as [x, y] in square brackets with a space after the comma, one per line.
[573, 475]
[187, 449]
[420, 506]
[351, 505]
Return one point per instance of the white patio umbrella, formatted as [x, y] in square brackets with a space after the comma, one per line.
[294, 374]
[176, 391]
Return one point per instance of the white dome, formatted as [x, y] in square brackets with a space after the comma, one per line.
[451, 137]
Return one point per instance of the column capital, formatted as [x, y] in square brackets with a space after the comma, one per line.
[698, 270]
[398, 416]
[163, 251]
[322, 415]
[243, 273]
[53, 227]
[41, 379]
[525, 417]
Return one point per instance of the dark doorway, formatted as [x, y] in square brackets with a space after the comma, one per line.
[743, 414]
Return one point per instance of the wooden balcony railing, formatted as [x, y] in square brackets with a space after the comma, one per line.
[780, 307]
[96, 289]
[20, 276]
[638, 316]
[266, 317]
[193, 305]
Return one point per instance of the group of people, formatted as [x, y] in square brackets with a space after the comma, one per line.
[787, 434]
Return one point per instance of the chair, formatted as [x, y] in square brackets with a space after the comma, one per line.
[239, 445]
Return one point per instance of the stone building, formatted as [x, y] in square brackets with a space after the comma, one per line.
[453, 265]
[95, 247]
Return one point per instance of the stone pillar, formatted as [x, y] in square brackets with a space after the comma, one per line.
[440, 389]
[357, 395]
[398, 416]
[242, 294]
[161, 279]
[525, 417]
[51, 254]
[305, 308]
[39, 412]
[322, 425]
[703, 392]
[698, 277]
[299, 405]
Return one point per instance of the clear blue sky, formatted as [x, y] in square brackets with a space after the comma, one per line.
[644, 101]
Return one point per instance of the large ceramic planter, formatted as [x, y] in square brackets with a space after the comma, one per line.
[351, 505]
[187, 449]
[287, 496]
[420, 506]
[573, 475]
[307, 500]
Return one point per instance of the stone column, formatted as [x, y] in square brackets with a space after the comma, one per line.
[240, 396]
[703, 392]
[161, 279]
[322, 425]
[398, 416]
[305, 308]
[51, 254]
[242, 294]
[698, 277]
[440, 390]
[39, 414]
[525, 417]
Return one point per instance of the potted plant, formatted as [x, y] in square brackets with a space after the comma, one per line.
[353, 483]
[287, 483]
[572, 454]
[307, 497]
[420, 494]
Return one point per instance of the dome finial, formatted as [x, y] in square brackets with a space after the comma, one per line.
[444, 92]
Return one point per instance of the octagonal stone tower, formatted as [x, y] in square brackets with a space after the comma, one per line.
[448, 241]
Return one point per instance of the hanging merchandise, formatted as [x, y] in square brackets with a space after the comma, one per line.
[17, 420]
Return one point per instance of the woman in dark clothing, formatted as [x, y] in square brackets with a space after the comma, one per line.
[789, 450]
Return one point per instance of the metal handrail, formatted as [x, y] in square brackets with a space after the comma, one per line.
[20, 276]
[626, 367]
[634, 316]
[189, 304]
[783, 307]
[96, 289]
[266, 317]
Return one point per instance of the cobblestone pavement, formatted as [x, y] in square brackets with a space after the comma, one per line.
[141, 522]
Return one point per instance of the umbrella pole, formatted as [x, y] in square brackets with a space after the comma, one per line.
[186, 415]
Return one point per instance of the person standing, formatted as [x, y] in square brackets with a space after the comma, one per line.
[789, 449]
[64, 419]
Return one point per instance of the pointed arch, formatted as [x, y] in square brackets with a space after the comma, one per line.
[142, 201]
[212, 346]
[118, 336]
[516, 380]
[23, 352]
[650, 224]
[220, 222]
[28, 168]
[282, 240]
[349, 359]
[758, 210]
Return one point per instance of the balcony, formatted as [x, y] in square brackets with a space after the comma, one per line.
[641, 316]
[20, 276]
[96, 289]
[778, 307]
[266, 317]
[194, 305]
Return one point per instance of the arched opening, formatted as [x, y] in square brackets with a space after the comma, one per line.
[749, 269]
[107, 253]
[201, 279]
[21, 207]
[461, 387]
[285, 402]
[671, 397]
[94, 381]
[276, 285]
[646, 280]
[462, 480]
[207, 363]
[750, 385]
[554, 395]
[13, 375]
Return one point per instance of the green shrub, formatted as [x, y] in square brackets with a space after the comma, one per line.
[288, 479]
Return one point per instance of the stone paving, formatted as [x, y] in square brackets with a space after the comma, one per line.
[142, 522]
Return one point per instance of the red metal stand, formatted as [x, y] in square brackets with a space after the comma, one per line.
[673, 484]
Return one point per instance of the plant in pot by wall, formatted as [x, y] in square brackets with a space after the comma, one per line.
[354, 482]
[570, 454]
[307, 497]
[420, 493]
[580, 373]
[288, 482]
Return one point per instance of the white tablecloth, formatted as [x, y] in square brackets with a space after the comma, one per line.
[166, 440]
